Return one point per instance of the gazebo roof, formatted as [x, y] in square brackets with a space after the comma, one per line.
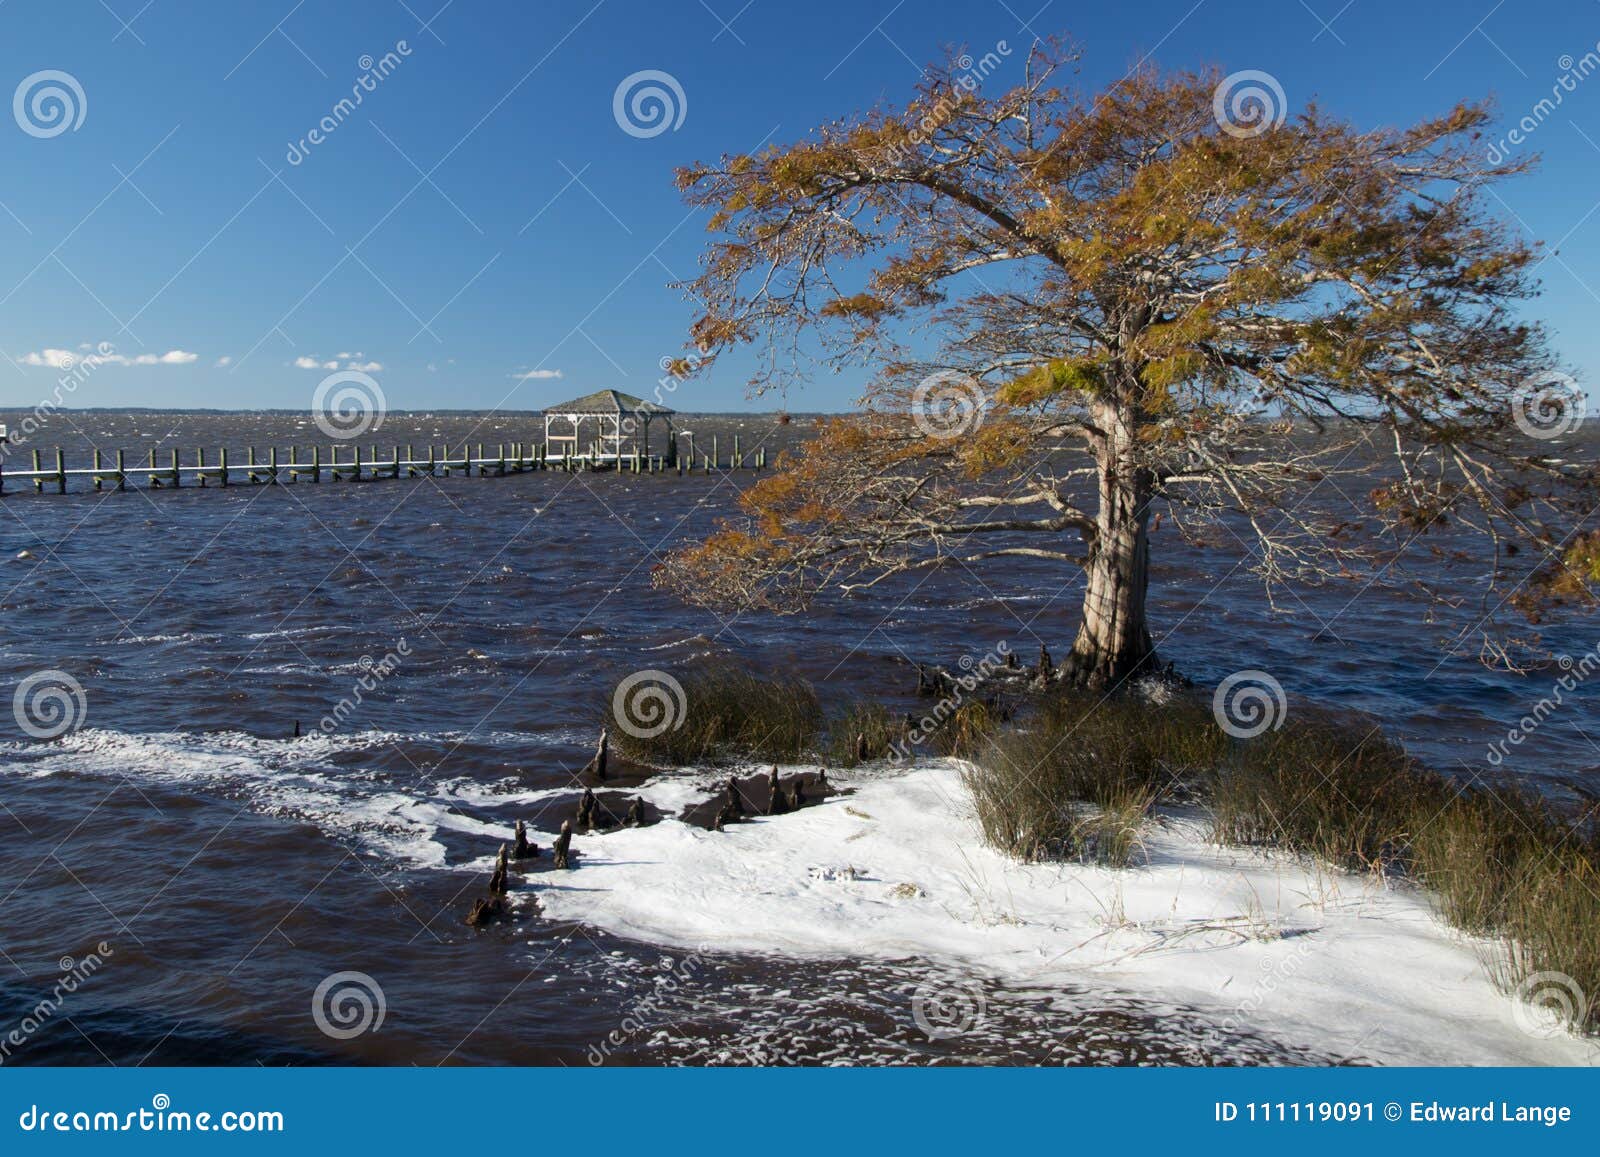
[608, 402]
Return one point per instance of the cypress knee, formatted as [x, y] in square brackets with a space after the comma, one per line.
[777, 803]
[484, 910]
[597, 766]
[497, 882]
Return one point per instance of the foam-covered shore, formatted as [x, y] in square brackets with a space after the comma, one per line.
[894, 870]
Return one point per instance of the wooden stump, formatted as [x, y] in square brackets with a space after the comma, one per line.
[497, 882]
[485, 910]
[597, 766]
[588, 806]
[521, 849]
[563, 845]
[777, 803]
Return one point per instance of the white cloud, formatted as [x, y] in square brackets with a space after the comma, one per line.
[55, 359]
[224, 360]
[347, 361]
[60, 359]
[536, 375]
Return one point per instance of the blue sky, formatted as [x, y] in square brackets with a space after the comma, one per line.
[482, 215]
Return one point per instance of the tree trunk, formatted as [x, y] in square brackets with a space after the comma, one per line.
[1113, 643]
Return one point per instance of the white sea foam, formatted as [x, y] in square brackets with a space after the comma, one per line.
[397, 819]
[1339, 963]
[895, 871]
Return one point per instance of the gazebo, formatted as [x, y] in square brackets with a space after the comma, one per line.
[598, 425]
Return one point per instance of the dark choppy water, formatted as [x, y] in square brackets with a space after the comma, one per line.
[231, 868]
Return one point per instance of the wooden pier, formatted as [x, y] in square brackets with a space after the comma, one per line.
[343, 463]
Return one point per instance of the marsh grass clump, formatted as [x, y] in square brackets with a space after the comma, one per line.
[1111, 834]
[1119, 756]
[863, 733]
[1031, 806]
[1503, 864]
[732, 713]
[964, 731]
[1080, 780]
[1497, 862]
[1346, 795]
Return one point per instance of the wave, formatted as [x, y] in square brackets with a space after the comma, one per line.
[397, 810]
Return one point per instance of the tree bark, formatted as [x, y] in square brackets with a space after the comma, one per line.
[1113, 643]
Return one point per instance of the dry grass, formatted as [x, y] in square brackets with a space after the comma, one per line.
[1498, 863]
[1118, 756]
[729, 712]
[965, 731]
[863, 733]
